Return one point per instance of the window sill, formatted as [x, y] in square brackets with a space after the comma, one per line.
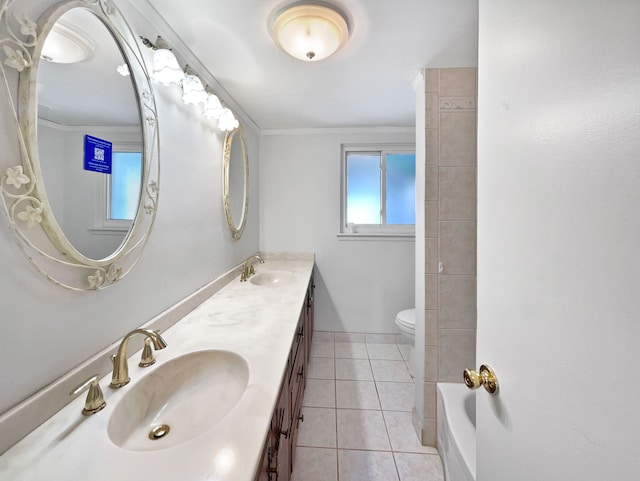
[109, 230]
[382, 236]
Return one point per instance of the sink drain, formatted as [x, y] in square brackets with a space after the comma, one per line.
[159, 432]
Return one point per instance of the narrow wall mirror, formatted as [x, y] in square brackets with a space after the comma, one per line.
[82, 194]
[235, 190]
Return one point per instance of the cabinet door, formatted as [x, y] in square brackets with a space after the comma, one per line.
[309, 317]
[282, 464]
[263, 469]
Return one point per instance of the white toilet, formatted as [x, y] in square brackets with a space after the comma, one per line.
[406, 322]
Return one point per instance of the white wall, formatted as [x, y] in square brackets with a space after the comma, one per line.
[47, 330]
[361, 285]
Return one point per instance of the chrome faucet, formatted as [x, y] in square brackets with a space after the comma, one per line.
[120, 375]
[247, 268]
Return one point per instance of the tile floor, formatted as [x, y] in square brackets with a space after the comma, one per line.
[357, 414]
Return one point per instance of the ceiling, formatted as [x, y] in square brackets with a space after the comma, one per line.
[366, 84]
[89, 92]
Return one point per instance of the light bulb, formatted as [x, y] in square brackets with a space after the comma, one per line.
[213, 108]
[165, 67]
[193, 92]
[227, 120]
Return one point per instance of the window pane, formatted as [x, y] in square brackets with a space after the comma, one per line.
[363, 188]
[401, 189]
[126, 179]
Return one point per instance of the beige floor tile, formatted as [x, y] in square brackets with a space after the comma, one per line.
[351, 350]
[322, 349]
[381, 338]
[402, 434]
[405, 351]
[356, 395]
[321, 368]
[390, 371]
[360, 429]
[323, 336]
[366, 466]
[349, 337]
[353, 370]
[424, 467]
[396, 396]
[315, 464]
[320, 393]
[389, 352]
[318, 428]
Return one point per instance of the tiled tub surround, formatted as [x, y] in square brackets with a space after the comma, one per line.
[450, 233]
[256, 322]
[357, 414]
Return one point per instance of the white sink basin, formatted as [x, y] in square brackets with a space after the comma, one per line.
[271, 278]
[178, 400]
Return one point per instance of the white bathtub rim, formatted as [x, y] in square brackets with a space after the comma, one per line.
[461, 431]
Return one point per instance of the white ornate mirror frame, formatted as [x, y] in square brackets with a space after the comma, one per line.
[21, 185]
[235, 136]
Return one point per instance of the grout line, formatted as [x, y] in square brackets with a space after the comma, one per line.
[391, 450]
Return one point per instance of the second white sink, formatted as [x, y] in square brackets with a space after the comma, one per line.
[178, 400]
[272, 278]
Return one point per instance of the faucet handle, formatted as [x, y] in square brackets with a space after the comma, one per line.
[95, 400]
[147, 358]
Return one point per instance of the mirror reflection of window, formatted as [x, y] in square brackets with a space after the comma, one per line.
[124, 186]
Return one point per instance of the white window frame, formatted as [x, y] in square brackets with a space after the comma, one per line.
[102, 223]
[362, 231]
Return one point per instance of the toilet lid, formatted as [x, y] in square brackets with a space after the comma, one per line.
[407, 318]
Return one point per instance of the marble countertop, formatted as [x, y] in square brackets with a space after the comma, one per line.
[256, 322]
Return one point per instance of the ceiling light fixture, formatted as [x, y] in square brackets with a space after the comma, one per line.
[227, 121]
[212, 107]
[193, 92]
[166, 69]
[123, 69]
[310, 32]
[66, 45]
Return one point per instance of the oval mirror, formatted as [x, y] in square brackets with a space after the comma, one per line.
[89, 169]
[235, 182]
[89, 134]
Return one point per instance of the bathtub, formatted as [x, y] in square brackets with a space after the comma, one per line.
[456, 418]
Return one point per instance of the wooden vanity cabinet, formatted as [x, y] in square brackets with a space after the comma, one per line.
[279, 450]
[309, 317]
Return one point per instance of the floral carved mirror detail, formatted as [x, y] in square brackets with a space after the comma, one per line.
[24, 192]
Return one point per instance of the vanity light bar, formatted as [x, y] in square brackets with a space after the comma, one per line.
[167, 71]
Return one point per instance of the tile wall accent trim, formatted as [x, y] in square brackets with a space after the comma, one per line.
[457, 103]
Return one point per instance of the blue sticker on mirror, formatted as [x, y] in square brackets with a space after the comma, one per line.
[97, 154]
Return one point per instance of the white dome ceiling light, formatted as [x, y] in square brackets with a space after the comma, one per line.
[310, 32]
[65, 44]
